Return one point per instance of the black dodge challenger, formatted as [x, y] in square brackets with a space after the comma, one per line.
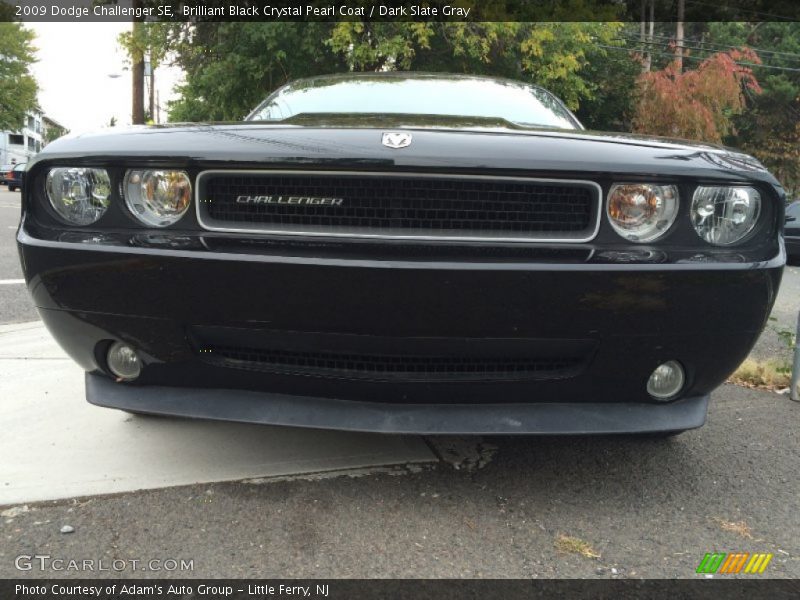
[403, 253]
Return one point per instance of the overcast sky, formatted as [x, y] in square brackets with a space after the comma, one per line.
[76, 61]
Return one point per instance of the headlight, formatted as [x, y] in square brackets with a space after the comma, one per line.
[157, 198]
[79, 196]
[726, 214]
[642, 212]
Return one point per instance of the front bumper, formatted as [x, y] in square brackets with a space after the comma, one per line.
[622, 320]
[579, 418]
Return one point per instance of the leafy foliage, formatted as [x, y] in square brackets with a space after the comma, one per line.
[18, 88]
[230, 67]
[52, 133]
[696, 103]
[147, 40]
[613, 77]
[770, 128]
[552, 55]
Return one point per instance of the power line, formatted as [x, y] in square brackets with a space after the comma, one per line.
[743, 10]
[725, 46]
[701, 58]
[691, 47]
[711, 50]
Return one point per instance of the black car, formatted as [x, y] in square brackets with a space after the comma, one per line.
[13, 178]
[404, 253]
[792, 231]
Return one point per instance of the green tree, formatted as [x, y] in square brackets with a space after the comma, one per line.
[52, 133]
[770, 127]
[554, 55]
[230, 67]
[612, 103]
[18, 88]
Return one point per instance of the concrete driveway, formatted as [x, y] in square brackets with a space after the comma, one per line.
[55, 445]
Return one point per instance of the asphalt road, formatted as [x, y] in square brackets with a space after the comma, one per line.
[648, 508]
[15, 304]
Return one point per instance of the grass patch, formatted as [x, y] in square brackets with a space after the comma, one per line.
[739, 527]
[756, 374]
[572, 545]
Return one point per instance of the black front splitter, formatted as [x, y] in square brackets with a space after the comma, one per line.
[422, 419]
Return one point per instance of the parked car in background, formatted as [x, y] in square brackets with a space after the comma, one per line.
[14, 177]
[792, 231]
[4, 169]
[404, 253]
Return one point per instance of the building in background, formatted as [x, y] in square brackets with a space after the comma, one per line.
[52, 130]
[19, 146]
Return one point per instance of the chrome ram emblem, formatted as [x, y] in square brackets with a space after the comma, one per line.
[395, 139]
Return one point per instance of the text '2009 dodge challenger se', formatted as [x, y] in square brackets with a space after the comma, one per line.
[403, 253]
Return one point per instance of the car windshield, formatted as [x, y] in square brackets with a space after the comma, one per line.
[466, 97]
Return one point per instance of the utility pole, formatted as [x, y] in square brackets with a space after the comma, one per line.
[137, 70]
[679, 35]
[152, 90]
[646, 34]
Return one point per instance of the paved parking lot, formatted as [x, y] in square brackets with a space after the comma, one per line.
[258, 501]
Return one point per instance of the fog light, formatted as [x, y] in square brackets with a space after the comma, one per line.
[666, 381]
[123, 362]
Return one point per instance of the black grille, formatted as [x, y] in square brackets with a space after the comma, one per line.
[332, 364]
[410, 205]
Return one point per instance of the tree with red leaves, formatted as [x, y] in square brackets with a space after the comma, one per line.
[697, 103]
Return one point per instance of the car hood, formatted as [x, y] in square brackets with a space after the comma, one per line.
[437, 143]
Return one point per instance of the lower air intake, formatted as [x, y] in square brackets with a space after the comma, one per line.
[402, 367]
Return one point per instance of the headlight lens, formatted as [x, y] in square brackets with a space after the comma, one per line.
[78, 195]
[726, 214]
[642, 212]
[158, 198]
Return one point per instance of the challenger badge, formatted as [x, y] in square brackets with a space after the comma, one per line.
[297, 200]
